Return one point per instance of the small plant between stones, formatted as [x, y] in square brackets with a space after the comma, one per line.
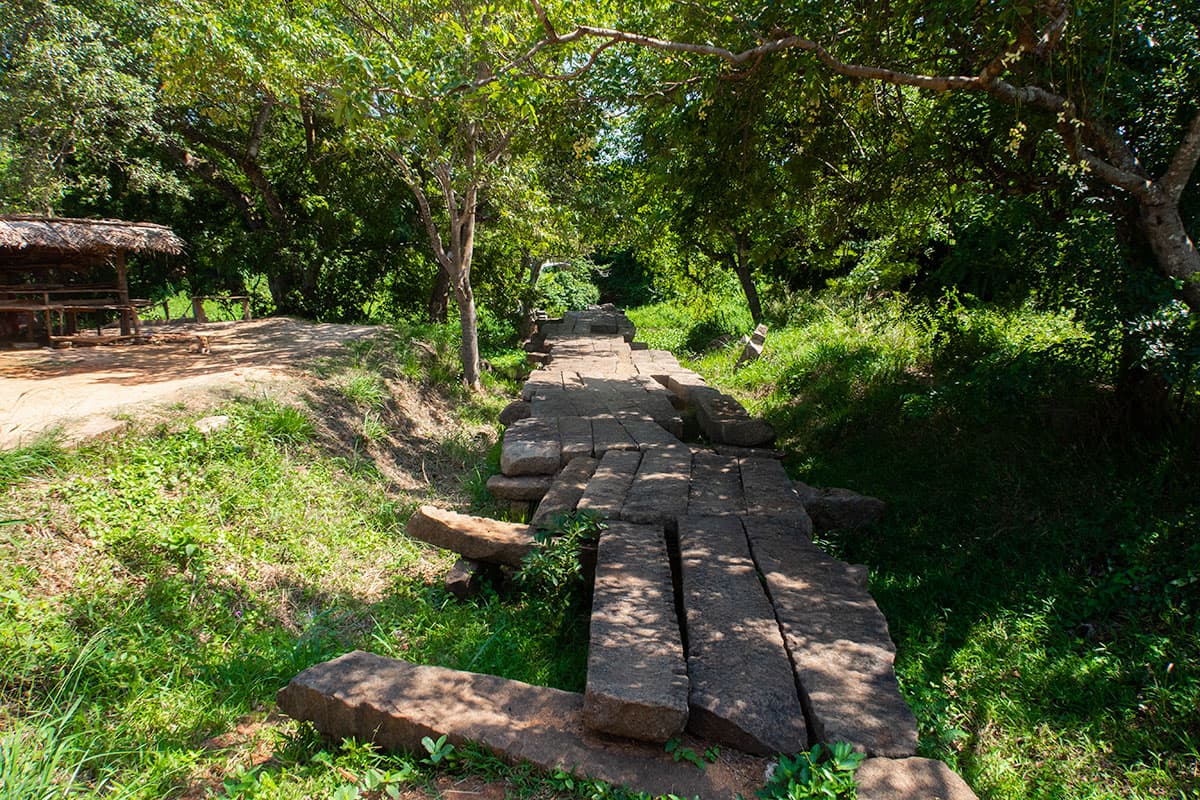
[825, 772]
[554, 570]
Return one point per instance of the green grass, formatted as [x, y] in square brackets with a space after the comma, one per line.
[1038, 565]
[181, 579]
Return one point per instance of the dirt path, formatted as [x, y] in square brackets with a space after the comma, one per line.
[85, 391]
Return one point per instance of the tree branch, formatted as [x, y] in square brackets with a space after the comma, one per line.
[1183, 163]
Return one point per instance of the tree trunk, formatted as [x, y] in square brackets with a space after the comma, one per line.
[741, 266]
[1173, 248]
[439, 298]
[465, 298]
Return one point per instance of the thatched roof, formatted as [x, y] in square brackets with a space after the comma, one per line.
[29, 239]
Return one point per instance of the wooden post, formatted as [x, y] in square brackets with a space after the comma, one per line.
[245, 308]
[166, 311]
[123, 292]
[198, 309]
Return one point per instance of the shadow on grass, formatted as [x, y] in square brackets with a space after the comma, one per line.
[1038, 565]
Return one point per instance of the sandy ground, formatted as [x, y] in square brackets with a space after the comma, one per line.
[86, 392]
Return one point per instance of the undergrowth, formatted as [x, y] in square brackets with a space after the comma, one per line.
[1038, 564]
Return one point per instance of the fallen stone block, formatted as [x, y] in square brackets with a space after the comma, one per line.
[753, 346]
[516, 410]
[659, 492]
[530, 448]
[521, 487]
[743, 692]
[477, 538]
[395, 704]
[606, 491]
[564, 492]
[909, 779]
[723, 420]
[207, 425]
[463, 579]
[684, 385]
[637, 683]
[840, 509]
[574, 438]
[838, 640]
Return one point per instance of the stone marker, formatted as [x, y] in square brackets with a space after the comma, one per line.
[909, 779]
[516, 410]
[753, 346]
[838, 640]
[743, 692]
[839, 509]
[716, 486]
[565, 492]
[637, 682]
[521, 487]
[606, 491]
[769, 492]
[395, 704]
[476, 538]
[659, 492]
[530, 448]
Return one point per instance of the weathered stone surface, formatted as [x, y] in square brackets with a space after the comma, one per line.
[684, 385]
[530, 448]
[716, 487]
[909, 779]
[838, 640]
[516, 410]
[723, 420]
[521, 487]
[659, 492]
[606, 491]
[743, 692]
[607, 434]
[395, 704]
[565, 492]
[839, 509]
[575, 437]
[645, 431]
[476, 538]
[637, 682]
[753, 346]
[462, 580]
[769, 492]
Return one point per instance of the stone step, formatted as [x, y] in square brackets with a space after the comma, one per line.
[716, 486]
[476, 538]
[838, 640]
[521, 487]
[565, 492]
[606, 491]
[395, 704]
[530, 448]
[659, 492]
[637, 682]
[743, 692]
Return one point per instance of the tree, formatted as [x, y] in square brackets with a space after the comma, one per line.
[1116, 85]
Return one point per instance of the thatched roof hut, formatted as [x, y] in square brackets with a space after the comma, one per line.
[32, 242]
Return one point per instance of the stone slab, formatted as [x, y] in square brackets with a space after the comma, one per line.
[574, 437]
[565, 492]
[530, 448]
[637, 683]
[716, 486]
[839, 509]
[723, 420]
[521, 487]
[394, 704]
[684, 385]
[743, 692]
[909, 779]
[659, 492]
[607, 434]
[838, 640]
[606, 491]
[769, 492]
[646, 431]
[477, 538]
